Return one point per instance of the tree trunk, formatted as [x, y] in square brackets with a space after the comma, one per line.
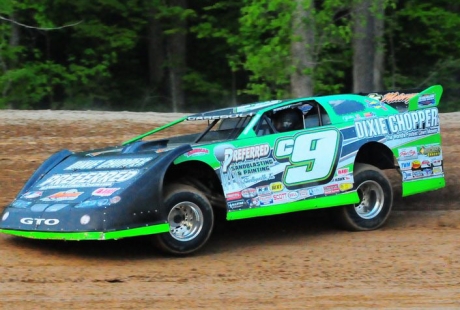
[155, 50]
[363, 46]
[10, 64]
[177, 59]
[379, 57]
[303, 29]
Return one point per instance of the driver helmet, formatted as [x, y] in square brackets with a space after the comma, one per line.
[288, 120]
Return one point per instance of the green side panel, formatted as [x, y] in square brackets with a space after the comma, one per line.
[76, 236]
[432, 139]
[423, 185]
[435, 138]
[318, 203]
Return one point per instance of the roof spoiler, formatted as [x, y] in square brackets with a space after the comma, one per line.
[409, 100]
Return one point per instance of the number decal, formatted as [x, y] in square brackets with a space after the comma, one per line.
[312, 156]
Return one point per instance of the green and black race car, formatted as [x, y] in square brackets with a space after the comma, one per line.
[254, 160]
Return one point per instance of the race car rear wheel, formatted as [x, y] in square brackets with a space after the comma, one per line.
[190, 217]
[376, 200]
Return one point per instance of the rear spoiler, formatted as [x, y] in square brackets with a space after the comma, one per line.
[409, 100]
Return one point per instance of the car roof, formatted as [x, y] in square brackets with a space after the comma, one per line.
[328, 102]
[239, 111]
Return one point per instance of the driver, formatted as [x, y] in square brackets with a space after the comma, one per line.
[288, 120]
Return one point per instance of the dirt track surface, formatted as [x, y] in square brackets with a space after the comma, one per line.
[294, 261]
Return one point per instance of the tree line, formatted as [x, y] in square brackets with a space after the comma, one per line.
[179, 55]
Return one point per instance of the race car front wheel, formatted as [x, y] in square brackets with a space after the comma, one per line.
[190, 217]
[376, 200]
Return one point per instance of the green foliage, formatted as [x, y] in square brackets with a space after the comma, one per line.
[93, 53]
[427, 40]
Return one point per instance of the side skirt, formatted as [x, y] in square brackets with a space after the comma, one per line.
[303, 205]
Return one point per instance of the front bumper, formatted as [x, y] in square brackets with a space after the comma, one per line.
[90, 235]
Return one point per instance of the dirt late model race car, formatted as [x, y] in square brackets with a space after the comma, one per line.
[254, 160]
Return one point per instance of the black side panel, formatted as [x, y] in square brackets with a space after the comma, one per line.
[47, 165]
[143, 200]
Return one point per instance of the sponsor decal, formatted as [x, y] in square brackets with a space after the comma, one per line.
[263, 190]
[280, 196]
[426, 100]
[56, 207]
[345, 186]
[369, 114]
[266, 200]
[343, 171]
[236, 204]
[276, 187]
[375, 105]
[416, 164]
[347, 118]
[232, 155]
[427, 172]
[71, 194]
[39, 207]
[437, 170]
[315, 191]
[408, 124]
[331, 189]
[430, 151]
[407, 153]
[251, 167]
[32, 195]
[417, 174]
[84, 164]
[342, 178]
[249, 193]
[425, 163]
[234, 196]
[38, 221]
[104, 191]
[256, 179]
[21, 204]
[124, 163]
[253, 202]
[88, 179]
[405, 165]
[92, 203]
[293, 195]
[393, 97]
[197, 152]
[437, 162]
[109, 164]
[214, 117]
[303, 193]
[115, 200]
[407, 175]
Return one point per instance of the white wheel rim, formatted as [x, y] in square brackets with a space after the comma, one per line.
[185, 221]
[372, 200]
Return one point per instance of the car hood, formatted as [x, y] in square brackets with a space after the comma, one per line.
[92, 175]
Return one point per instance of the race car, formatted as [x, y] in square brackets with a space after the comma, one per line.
[253, 160]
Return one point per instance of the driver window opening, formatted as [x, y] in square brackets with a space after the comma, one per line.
[303, 116]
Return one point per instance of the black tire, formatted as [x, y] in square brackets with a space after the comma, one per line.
[191, 220]
[376, 200]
